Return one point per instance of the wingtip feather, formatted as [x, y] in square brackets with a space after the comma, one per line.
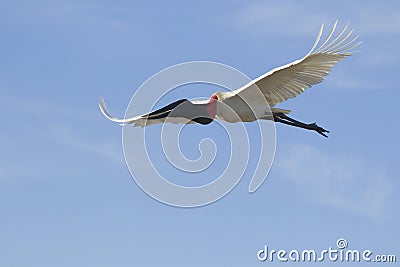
[339, 44]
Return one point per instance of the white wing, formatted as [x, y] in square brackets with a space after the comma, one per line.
[141, 120]
[292, 79]
[105, 112]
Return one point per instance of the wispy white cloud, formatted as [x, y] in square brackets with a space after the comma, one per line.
[303, 17]
[102, 29]
[67, 136]
[339, 181]
[45, 139]
[277, 18]
[84, 13]
[378, 19]
[376, 24]
[350, 81]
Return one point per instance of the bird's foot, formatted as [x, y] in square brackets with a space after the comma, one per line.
[318, 129]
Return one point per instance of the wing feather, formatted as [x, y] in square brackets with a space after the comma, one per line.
[292, 79]
[104, 110]
[155, 117]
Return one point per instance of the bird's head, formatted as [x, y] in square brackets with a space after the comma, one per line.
[212, 106]
[213, 98]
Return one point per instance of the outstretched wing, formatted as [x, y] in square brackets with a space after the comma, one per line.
[154, 117]
[292, 79]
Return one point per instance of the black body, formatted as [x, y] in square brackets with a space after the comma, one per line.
[182, 108]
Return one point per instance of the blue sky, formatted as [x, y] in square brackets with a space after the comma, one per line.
[67, 198]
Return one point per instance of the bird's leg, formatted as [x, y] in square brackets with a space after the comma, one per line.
[282, 118]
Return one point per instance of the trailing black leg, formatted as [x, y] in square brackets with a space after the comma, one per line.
[282, 118]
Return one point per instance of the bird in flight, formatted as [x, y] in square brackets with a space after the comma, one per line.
[257, 99]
